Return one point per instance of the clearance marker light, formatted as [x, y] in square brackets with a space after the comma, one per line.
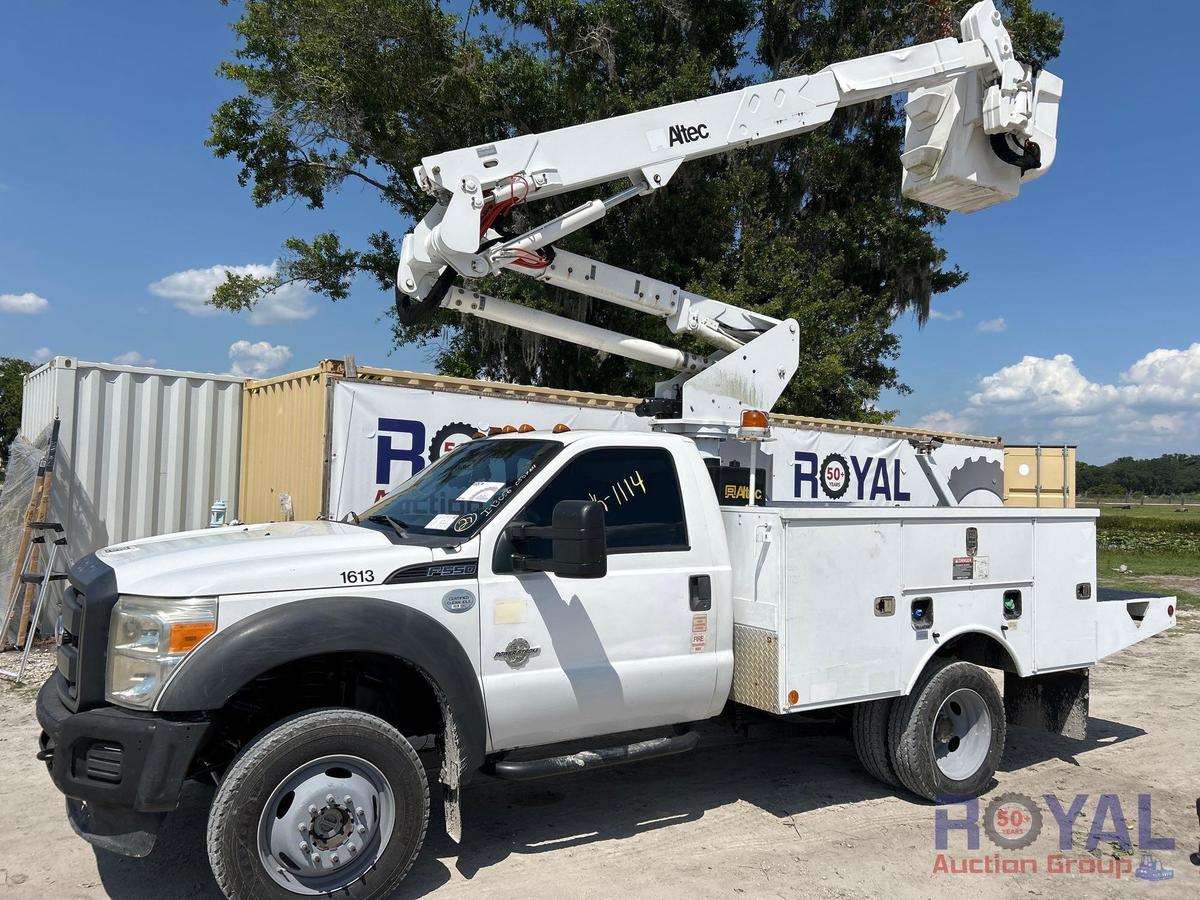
[508, 429]
[755, 426]
[560, 428]
[493, 431]
[755, 429]
[525, 429]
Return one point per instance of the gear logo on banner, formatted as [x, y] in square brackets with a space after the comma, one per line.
[448, 437]
[835, 475]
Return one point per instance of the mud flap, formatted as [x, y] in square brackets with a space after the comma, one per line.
[451, 773]
[1056, 702]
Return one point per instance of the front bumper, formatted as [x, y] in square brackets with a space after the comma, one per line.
[121, 771]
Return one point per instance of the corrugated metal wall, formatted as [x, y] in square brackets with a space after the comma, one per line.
[284, 445]
[39, 396]
[1039, 476]
[141, 451]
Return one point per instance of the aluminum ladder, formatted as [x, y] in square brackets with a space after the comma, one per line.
[46, 533]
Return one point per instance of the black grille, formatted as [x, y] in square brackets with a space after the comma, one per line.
[103, 762]
[87, 605]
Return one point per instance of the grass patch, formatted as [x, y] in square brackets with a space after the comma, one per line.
[1191, 512]
[1145, 562]
[1151, 541]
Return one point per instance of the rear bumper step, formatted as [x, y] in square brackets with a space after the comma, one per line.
[522, 770]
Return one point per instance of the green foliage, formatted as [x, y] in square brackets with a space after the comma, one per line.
[811, 227]
[1171, 473]
[12, 374]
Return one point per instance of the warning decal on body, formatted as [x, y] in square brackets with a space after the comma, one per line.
[964, 568]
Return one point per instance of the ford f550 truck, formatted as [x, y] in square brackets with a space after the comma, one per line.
[532, 588]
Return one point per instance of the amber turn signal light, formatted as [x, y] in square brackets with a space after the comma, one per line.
[186, 635]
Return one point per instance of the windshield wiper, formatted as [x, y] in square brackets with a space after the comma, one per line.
[350, 518]
[399, 527]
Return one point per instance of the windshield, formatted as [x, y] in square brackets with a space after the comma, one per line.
[456, 495]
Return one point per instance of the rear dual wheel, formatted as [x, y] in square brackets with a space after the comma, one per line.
[943, 740]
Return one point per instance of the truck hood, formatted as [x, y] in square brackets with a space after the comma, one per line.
[247, 559]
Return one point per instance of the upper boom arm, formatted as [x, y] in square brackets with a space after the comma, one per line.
[979, 124]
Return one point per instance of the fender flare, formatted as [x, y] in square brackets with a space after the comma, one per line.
[228, 660]
[945, 639]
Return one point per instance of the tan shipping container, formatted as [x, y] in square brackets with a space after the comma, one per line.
[287, 422]
[1039, 476]
[285, 441]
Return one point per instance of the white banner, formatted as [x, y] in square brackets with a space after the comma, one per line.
[383, 434]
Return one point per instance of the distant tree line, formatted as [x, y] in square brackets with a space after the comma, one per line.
[12, 374]
[1171, 473]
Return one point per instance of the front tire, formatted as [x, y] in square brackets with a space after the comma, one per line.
[948, 734]
[324, 801]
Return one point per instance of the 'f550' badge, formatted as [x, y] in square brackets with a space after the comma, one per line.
[517, 653]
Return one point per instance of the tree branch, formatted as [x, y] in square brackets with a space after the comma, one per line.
[342, 170]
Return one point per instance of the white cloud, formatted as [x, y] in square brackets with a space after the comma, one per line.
[41, 355]
[1154, 407]
[27, 304]
[133, 358]
[191, 289]
[258, 359]
[1051, 386]
[991, 326]
[945, 420]
[938, 316]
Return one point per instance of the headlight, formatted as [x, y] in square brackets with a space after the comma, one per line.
[148, 638]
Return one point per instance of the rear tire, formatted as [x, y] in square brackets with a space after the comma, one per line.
[948, 734]
[273, 833]
[869, 726]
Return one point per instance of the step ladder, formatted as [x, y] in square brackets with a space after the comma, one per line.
[50, 533]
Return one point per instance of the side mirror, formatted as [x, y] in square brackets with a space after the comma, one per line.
[580, 549]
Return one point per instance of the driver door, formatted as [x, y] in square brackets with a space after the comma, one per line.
[566, 658]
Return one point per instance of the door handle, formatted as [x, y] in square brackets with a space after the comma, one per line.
[700, 593]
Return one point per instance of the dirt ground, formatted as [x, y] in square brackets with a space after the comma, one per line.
[784, 813]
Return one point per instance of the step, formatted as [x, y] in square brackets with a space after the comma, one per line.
[524, 769]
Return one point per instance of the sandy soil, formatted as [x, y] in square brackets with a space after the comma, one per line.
[784, 813]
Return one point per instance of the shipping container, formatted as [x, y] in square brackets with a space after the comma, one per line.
[334, 438]
[141, 451]
[1039, 476]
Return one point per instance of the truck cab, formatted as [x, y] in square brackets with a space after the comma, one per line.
[524, 590]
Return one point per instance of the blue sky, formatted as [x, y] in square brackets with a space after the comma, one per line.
[1080, 321]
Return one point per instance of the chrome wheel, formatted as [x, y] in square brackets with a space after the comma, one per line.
[326, 824]
[962, 734]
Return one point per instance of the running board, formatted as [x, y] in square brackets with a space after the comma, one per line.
[525, 769]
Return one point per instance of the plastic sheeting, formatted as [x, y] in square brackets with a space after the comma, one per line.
[24, 457]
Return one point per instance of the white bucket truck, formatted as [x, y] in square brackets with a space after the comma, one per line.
[539, 587]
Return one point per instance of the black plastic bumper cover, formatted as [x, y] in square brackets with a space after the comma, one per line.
[119, 810]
